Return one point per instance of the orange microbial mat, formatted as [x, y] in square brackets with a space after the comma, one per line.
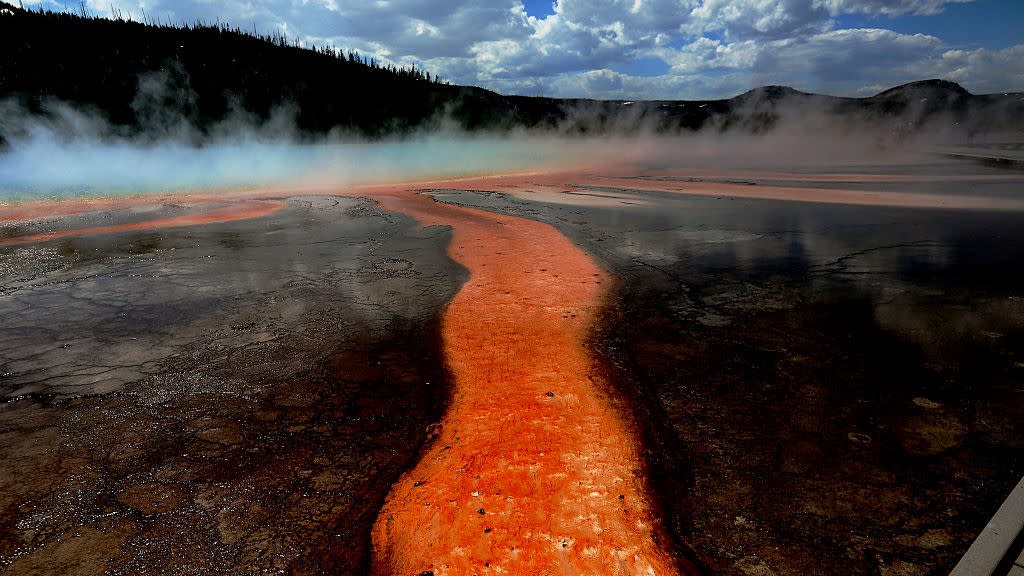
[203, 215]
[533, 471]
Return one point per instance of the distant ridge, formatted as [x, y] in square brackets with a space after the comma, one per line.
[932, 86]
[771, 93]
[150, 79]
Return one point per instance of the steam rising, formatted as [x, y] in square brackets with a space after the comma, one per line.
[46, 166]
[68, 151]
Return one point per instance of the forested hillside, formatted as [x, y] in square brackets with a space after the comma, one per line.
[151, 77]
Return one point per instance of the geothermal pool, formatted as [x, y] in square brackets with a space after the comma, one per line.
[753, 369]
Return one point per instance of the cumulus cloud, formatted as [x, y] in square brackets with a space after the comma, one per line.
[984, 70]
[600, 48]
[889, 7]
[759, 18]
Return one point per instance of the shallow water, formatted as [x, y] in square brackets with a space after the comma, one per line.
[46, 167]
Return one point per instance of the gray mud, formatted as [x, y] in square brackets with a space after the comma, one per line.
[227, 398]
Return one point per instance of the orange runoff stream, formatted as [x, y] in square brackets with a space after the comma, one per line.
[533, 471]
[232, 212]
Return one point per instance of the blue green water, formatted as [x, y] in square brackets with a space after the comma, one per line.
[44, 168]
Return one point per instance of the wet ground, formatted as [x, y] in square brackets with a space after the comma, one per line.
[826, 389]
[233, 398]
[822, 388]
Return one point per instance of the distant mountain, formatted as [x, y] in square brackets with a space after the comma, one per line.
[924, 89]
[152, 79]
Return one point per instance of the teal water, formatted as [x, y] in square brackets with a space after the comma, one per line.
[44, 168]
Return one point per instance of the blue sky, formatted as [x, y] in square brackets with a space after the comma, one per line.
[539, 8]
[992, 24]
[635, 49]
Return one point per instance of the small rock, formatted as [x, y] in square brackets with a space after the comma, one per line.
[932, 433]
[742, 522]
[858, 438]
[901, 568]
[754, 566]
[327, 481]
[712, 320]
[926, 403]
[936, 538]
[153, 497]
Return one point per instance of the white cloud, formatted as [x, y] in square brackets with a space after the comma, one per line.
[889, 7]
[759, 18]
[598, 81]
[599, 48]
[983, 70]
[859, 62]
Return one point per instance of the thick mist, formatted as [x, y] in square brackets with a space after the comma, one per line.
[44, 166]
[68, 151]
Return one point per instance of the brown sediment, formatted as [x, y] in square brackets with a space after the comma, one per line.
[532, 470]
[232, 212]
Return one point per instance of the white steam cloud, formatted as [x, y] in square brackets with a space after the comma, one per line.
[70, 153]
[46, 166]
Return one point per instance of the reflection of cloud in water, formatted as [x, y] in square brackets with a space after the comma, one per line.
[824, 241]
[715, 236]
[667, 245]
[748, 255]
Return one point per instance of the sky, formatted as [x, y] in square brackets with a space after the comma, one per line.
[645, 49]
